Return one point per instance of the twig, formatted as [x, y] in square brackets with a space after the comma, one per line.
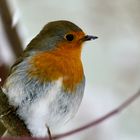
[49, 133]
[103, 118]
[10, 120]
[11, 32]
[3, 73]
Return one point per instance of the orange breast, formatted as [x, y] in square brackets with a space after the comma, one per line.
[65, 63]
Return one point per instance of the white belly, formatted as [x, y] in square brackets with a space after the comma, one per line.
[52, 109]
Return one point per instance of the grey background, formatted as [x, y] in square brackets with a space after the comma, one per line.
[111, 63]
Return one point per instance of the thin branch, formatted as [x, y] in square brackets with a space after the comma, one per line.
[11, 32]
[10, 120]
[3, 73]
[103, 118]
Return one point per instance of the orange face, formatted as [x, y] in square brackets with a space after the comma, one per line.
[70, 48]
[72, 40]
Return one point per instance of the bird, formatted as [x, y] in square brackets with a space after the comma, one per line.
[46, 83]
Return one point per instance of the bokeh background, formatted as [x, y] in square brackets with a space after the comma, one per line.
[111, 63]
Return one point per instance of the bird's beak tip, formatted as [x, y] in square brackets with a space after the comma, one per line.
[89, 37]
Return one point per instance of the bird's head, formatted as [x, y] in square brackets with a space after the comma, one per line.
[59, 35]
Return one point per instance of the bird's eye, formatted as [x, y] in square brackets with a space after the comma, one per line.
[69, 37]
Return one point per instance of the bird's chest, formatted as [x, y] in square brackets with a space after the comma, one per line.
[49, 68]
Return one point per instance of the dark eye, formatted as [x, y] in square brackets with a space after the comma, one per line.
[69, 37]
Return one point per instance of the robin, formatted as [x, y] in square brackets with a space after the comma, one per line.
[46, 84]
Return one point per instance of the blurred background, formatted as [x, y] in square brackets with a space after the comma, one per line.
[111, 63]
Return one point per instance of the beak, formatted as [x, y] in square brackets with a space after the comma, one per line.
[89, 37]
